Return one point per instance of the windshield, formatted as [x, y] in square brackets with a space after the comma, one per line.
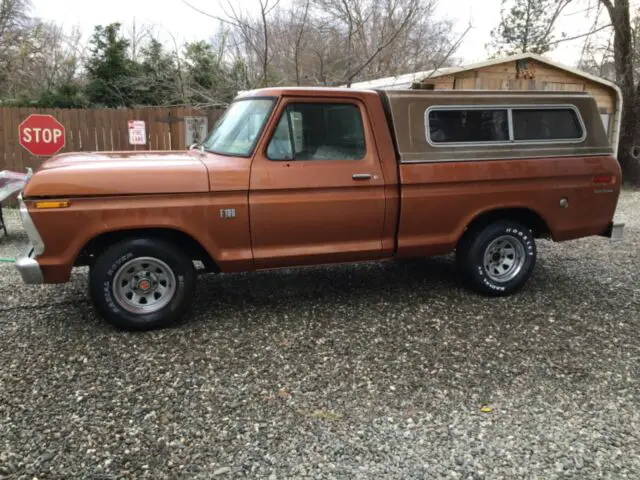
[237, 130]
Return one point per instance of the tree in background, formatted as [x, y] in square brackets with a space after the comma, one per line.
[109, 69]
[615, 55]
[14, 28]
[49, 62]
[383, 38]
[66, 95]
[157, 78]
[330, 42]
[205, 75]
[625, 57]
[526, 26]
[317, 42]
[39, 62]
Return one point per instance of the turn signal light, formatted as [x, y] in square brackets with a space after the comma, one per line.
[52, 204]
[602, 179]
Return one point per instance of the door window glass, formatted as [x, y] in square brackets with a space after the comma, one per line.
[318, 131]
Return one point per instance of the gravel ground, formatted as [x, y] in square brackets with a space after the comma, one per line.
[372, 371]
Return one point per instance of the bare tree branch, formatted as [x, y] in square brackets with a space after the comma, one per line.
[207, 14]
[379, 49]
[333, 41]
[452, 49]
[265, 32]
[582, 35]
[561, 5]
[299, 41]
[609, 6]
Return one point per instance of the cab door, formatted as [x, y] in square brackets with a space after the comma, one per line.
[316, 191]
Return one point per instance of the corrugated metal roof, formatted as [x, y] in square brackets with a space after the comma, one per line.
[405, 80]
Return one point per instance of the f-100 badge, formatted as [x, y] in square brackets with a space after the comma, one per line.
[227, 213]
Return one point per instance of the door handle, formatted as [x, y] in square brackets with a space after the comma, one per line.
[361, 176]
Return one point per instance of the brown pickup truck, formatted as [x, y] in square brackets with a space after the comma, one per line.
[305, 176]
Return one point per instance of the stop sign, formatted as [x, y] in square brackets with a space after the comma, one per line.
[41, 135]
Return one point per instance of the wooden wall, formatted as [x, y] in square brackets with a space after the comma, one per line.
[98, 129]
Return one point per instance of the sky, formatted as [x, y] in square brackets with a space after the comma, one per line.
[173, 16]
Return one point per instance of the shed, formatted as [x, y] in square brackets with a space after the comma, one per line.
[517, 72]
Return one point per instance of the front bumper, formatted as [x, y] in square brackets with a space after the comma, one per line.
[615, 231]
[27, 264]
[30, 228]
[29, 268]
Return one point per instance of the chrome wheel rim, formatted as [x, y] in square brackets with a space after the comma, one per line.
[504, 259]
[144, 285]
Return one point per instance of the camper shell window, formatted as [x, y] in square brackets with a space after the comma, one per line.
[504, 124]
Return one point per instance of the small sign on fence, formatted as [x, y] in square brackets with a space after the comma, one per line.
[195, 129]
[137, 132]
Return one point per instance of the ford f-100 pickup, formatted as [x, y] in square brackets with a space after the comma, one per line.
[305, 176]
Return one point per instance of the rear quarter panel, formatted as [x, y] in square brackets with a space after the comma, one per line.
[439, 200]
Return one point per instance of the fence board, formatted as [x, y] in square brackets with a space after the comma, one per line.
[158, 128]
[84, 131]
[5, 134]
[115, 130]
[108, 127]
[151, 128]
[111, 131]
[123, 117]
[91, 131]
[99, 127]
[105, 125]
[74, 126]
[22, 156]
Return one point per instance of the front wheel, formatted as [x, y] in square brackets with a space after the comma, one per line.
[497, 259]
[142, 284]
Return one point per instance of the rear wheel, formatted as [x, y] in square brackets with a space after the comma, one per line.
[497, 259]
[142, 284]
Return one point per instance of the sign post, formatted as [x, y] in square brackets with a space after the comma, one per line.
[41, 135]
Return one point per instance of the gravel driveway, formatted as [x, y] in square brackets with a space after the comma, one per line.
[378, 371]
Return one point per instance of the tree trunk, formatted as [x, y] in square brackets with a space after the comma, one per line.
[629, 140]
[623, 56]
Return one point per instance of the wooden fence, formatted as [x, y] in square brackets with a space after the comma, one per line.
[99, 130]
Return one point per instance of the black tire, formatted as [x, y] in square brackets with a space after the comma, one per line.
[470, 256]
[115, 309]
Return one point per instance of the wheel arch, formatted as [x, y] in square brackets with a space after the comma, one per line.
[183, 240]
[524, 215]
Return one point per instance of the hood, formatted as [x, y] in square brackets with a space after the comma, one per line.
[118, 173]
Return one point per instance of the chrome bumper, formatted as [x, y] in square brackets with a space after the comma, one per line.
[29, 268]
[27, 264]
[30, 228]
[615, 231]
